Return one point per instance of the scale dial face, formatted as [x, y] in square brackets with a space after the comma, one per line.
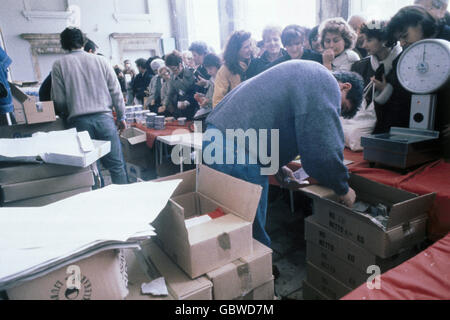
[424, 67]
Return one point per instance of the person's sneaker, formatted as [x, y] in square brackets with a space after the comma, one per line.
[275, 272]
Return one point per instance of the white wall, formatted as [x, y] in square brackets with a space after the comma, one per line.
[97, 22]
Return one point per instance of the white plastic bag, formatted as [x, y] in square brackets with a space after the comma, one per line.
[361, 124]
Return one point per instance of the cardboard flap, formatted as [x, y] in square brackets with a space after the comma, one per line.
[134, 135]
[407, 210]
[179, 284]
[318, 191]
[378, 190]
[241, 197]
[187, 184]
[171, 218]
[18, 94]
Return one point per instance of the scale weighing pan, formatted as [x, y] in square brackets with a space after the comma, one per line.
[401, 147]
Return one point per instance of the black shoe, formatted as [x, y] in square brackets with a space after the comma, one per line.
[275, 272]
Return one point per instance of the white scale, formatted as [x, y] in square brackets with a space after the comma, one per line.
[423, 69]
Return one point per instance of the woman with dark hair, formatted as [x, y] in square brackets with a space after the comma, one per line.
[141, 81]
[212, 65]
[375, 69]
[409, 25]
[314, 40]
[238, 66]
[414, 23]
[180, 99]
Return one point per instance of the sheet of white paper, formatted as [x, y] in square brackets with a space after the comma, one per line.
[116, 212]
[156, 287]
[41, 143]
[301, 174]
[196, 220]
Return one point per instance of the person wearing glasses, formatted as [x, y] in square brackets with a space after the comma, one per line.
[180, 100]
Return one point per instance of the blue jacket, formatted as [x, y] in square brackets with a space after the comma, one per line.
[303, 101]
[6, 104]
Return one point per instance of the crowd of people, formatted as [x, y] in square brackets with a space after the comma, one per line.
[180, 83]
[301, 82]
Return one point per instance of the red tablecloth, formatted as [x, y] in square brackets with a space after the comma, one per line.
[424, 277]
[170, 128]
[431, 177]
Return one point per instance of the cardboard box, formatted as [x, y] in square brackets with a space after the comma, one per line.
[136, 277]
[34, 112]
[15, 173]
[239, 278]
[342, 258]
[103, 277]
[263, 292]
[205, 247]
[179, 285]
[326, 284]
[37, 188]
[26, 130]
[311, 293]
[46, 200]
[405, 226]
[134, 147]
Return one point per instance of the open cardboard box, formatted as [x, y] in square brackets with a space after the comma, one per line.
[26, 109]
[212, 244]
[406, 225]
[134, 147]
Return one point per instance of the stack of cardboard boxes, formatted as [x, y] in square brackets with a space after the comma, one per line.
[217, 257]
[346, 248]
[35, 185]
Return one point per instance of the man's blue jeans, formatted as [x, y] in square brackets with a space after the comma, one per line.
[101, 126]
[252, 174]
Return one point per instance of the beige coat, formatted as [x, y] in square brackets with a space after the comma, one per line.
[225, 82]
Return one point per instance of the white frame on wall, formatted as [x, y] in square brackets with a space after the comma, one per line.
[120, 17]
[39, 14]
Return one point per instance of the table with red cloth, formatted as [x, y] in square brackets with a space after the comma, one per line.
[424, 277]
[431, 177]
[170, 129]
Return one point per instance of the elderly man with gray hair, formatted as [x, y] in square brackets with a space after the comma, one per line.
[437, 8]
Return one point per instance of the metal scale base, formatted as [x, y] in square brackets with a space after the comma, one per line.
[402, 147]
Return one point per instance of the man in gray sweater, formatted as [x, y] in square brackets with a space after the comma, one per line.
[84, 90]
[299, 103]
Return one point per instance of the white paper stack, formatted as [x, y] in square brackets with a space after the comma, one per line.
[65, 147]
[36, 241]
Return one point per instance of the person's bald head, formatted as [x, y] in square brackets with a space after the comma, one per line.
[356, 22]
[437, 8]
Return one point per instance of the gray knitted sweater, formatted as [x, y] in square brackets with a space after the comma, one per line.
[302, 99]
[84, 83]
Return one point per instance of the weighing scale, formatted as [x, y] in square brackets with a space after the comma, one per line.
[423, 69]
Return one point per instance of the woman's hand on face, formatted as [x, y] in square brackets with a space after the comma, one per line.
[328, 57]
